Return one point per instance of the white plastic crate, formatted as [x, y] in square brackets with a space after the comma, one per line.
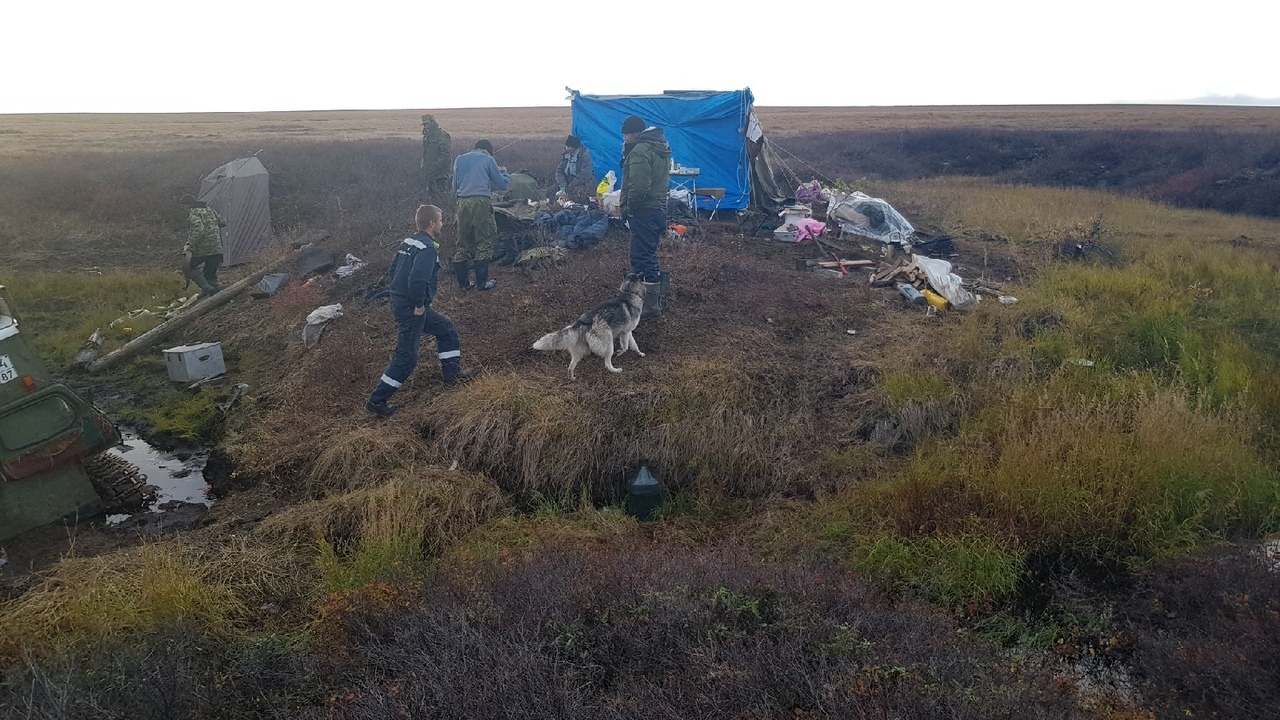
[187, 363]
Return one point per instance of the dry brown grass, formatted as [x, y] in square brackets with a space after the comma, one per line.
[37, 134]
[439, 505]
[798, 120]
[1039, 216]
[362, 457]
[41, 134]
[218, 587]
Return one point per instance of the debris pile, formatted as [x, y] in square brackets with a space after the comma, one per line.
[924, 279]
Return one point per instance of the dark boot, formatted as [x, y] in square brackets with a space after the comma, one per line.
[506, 254]
[452, 373]
[377, 402]
[665, 280]
[205, 288]
[463, 377]
[461, 271]
[380, 409]
[482, 276]
[652, 300]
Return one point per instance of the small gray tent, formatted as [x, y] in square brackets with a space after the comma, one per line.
[239, 192]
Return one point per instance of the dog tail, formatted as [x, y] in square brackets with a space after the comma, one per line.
[600, 338]
[558, 340]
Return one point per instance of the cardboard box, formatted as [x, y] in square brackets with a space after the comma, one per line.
[188, 363]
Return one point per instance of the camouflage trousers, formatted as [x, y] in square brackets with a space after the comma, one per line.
[476, 230]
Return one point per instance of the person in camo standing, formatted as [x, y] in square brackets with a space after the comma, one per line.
[476, 176]
[414, 273]
[204, 246]
[436, 152]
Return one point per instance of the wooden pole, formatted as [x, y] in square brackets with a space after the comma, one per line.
[159, 332]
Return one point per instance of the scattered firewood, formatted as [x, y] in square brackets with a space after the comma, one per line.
[806, 264]
[846, 263]
[886, 276]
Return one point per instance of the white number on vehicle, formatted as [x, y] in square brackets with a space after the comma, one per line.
[7, 372]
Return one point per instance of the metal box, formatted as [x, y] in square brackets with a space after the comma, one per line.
[194, 362]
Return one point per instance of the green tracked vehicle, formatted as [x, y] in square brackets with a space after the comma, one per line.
[53, 460]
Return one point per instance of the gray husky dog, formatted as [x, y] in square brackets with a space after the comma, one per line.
[595, 331]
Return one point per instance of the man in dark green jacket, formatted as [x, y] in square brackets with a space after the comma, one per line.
[646, 179]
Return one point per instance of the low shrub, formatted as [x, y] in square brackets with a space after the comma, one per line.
[1200, 635]
[656, 632]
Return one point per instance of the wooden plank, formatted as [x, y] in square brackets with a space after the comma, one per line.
[846, 263]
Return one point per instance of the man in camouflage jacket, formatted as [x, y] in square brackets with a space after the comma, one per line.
[204, 246]
[437, 159]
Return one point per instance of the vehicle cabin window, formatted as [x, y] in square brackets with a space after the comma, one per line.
[36, 423]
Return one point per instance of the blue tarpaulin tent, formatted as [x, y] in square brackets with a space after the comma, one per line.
[711, 131]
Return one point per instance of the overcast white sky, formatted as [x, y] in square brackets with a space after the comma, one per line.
[238, 55]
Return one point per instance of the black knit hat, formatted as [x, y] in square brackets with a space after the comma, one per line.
[572, 141]
[633, 124]
[484, 145]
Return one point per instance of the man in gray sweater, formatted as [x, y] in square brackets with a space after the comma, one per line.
[476, 176]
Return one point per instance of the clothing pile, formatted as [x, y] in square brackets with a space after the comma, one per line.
[575, 228]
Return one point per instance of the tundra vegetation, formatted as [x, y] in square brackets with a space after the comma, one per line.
[1054, 508]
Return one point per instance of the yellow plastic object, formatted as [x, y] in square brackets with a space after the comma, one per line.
[935, 299]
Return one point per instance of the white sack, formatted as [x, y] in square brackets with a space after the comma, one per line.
[944, 282]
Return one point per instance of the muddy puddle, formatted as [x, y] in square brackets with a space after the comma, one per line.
[177, 476]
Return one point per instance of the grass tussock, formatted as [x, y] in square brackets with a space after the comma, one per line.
[540, 440]
[85, 601]
[361, 457]
[386, 533]
[178, 417]
[954, 570]
[711, 429]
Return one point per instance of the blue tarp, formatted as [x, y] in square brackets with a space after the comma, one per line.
[706, 130]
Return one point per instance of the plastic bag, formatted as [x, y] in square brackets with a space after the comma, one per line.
[606, 185]
[944, 282]
[317, 321]
[270, 284]
[810, 193]
[870, 217]
[353, 264]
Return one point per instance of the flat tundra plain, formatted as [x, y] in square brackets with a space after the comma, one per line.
[43, 134]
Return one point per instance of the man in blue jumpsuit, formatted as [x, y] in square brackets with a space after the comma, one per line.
[414, 273]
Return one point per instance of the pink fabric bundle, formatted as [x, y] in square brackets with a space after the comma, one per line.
[809, 228]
